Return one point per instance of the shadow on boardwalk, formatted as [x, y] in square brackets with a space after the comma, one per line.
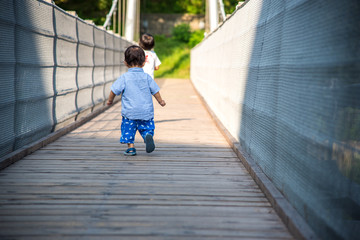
[192, 187]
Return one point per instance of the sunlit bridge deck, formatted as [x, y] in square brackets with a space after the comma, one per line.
[192, 186]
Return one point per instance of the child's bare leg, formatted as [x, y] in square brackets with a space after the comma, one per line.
[130, 145]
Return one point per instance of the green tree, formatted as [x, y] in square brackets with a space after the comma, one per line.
[182, 6]
[182, 32]
[95, 10]
[230, 5]
[173, 6]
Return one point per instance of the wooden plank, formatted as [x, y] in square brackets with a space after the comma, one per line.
[134, 169]
[131, 221]
[139, 210]
[107, 148]
[108, 163]
[132, 237]
[146, 190]
[133, 189]
[72, 179]
[185, 230]
[119, 168]
[126, 197]
[105, 221]
[136, 158]
[119, 153]
[114, 142]
[134, 202]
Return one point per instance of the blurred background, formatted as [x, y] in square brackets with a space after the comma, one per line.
[178, 25]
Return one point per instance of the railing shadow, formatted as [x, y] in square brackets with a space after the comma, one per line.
[300, 115]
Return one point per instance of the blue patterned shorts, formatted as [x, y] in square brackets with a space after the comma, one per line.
[129, 128]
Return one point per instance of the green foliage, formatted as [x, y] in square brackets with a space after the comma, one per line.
[182, 6]
[196, 37]
[182, 32]
[174, 56]
[174, 52]
[173, 6]
[95, 10]
[193, 6]
[230, 5]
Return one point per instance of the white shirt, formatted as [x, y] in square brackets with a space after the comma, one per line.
[151, 61]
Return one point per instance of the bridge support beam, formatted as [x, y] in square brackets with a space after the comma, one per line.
[131, 19]
[213, 14]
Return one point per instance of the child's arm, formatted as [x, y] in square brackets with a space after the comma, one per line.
[111, 98]
[159, 99]
[157, 62]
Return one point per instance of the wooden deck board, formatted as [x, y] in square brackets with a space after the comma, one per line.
[192, 187]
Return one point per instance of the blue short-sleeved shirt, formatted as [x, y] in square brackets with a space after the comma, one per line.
[137, 89]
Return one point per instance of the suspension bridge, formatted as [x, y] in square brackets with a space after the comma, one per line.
[261, 143]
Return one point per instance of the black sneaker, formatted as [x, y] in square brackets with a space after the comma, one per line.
[149, 141]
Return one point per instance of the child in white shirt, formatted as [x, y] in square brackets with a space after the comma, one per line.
[152, 62]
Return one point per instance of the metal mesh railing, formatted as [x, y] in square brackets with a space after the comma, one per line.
[283, 77]
[54, 67]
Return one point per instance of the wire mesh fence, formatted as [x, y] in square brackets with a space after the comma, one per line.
[283, 77]
[54, 68]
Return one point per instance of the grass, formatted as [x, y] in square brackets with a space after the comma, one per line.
[174, 56]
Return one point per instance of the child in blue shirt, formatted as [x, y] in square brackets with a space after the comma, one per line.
[137, 110]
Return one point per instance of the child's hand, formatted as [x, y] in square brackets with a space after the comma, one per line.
[162, 103]
[111, 98]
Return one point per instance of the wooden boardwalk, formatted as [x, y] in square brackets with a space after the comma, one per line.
[191, 187]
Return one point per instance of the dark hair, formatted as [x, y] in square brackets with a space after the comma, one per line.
[147, 41]
[134, 56]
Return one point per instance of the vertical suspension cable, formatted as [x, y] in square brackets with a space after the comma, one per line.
[108, 17]
[222, 10]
